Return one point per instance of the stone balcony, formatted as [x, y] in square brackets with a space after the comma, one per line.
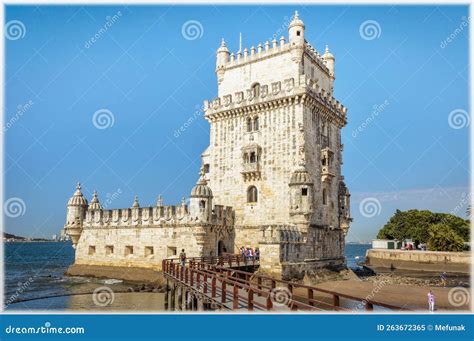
[251, 171]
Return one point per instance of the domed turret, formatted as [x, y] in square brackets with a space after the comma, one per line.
[95, 204]
[77, 198]
[200, 202]
[221, 60]
[344, 207]
[329, 59]
[76, 212]
[301, 194]
[296, 33]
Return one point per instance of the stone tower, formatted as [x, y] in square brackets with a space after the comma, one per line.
[275, 151]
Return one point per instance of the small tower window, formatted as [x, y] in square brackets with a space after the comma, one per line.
[298, 33]
[252, 194]
[206, 168]
[202, 205]
[325, 198]
[304, 192]
[255, 123]
[249, 124]
[253, 157]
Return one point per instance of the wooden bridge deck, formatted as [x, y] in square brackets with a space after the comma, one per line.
[219, 281]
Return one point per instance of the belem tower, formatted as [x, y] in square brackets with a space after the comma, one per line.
[270, 178]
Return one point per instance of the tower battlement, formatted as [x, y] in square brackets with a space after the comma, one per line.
[153, 216]
[272, 95]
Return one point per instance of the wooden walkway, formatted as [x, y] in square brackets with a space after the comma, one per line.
[218, 280]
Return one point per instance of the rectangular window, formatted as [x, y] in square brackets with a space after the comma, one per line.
[149, 251]
[128, 250]
[171, 251]
[109, 250]
[91, 250]
[304, 192]
[206, 168]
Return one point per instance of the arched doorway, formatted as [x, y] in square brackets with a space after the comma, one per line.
[221, 249]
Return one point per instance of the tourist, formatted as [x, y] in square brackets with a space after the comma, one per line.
[431, 301]
[257, 253]
[182, 258]
[443, 279]
[250, 253]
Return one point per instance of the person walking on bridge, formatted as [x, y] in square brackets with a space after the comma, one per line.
[182, 258]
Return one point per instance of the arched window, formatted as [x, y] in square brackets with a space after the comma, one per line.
[325, 198]
[249, 124]
[255, 123]
[202, 205]
[252, 194]
[253, 157]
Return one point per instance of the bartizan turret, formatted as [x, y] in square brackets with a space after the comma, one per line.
[76, 211]
[200, 202]
[296, 38]
[221, 60]
[329, 60]
[301, 195]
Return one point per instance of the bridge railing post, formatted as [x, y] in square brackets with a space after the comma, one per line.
[335, 300]
[213, 286]
[250, 299]
[223, 291]
[205, 284]
[310, 297]
[191, 272]
[235, 297]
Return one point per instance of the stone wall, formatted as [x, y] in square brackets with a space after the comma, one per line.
[420, 260]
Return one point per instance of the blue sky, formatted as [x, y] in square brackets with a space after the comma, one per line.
[406, 87]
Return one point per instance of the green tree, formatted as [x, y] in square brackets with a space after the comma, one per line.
[415, 225]
[444, 238]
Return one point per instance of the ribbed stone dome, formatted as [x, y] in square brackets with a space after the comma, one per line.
[95, 204]
[296, 21]
[201, 190]
[300, 176]
[77, 198]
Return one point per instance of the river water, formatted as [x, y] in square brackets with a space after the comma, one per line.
[35, 270]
